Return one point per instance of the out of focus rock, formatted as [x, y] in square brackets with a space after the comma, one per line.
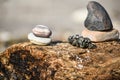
[5, 36]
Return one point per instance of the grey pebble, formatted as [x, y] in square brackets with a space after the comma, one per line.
[97, 18]
[42, 31]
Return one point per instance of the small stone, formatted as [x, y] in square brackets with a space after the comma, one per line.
[97, 18]
[98, 36]
[38, 40]
[42, 31]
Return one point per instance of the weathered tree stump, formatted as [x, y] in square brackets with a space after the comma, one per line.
[60, 61]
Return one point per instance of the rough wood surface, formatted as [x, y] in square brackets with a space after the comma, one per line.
[60, 61]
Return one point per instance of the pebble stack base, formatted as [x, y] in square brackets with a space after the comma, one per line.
[99, 36]
[38, 40]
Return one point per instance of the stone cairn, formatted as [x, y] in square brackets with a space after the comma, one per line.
[98, 24]
[40, 35]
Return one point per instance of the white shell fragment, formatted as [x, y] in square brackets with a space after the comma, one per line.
[38, 40]
[41, 31]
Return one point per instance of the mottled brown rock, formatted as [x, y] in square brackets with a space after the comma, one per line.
[60, 61]
[97, 18]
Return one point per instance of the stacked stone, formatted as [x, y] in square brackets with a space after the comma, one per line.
[40, 35]
[98, 24]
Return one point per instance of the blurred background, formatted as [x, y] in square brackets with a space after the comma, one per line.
[63, 17]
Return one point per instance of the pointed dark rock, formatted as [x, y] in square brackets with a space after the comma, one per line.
[97, 18]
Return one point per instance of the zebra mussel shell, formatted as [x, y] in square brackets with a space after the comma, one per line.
[80, 41]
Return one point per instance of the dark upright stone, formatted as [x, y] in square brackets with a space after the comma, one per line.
[97, 18]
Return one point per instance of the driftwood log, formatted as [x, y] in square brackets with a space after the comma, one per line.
[60, 61]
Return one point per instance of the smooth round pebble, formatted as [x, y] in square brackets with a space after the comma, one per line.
[38, 40]
[97, 18]
[98, 36]
[42, 31]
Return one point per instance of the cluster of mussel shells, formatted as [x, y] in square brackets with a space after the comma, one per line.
[80, 41]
